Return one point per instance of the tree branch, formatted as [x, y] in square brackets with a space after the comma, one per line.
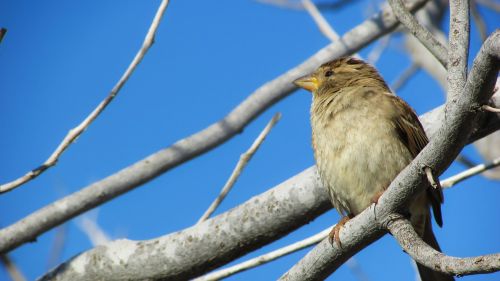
[3, 31]
[405, 76]
[453, 180]
[196, 250]
[268, 257]
[12, 269]
[74, 133]
[458, 51]
[244, 159]
[185, 149]
[437, 49]
[478, 19]
[425, 255]
[320, 21]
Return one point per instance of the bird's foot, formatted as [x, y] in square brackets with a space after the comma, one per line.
[376, 197]
[374, 201]
[335, 233]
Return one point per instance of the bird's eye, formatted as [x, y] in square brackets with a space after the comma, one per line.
[328, 73]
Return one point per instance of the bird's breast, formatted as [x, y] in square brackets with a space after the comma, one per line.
[357, 152]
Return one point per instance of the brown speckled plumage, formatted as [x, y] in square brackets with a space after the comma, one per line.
[363, 136]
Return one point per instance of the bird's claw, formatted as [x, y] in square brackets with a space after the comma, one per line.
[335, 233]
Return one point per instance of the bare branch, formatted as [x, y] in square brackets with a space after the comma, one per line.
[286, 4]
[430, 17]
[478, 19]
[377, 51]
[491, 109]
[185, 149]
[94, 232]
[451, 181]
[193, 251]
[426, 38]
[425, 255]
[263, 259]
[74, 133]
[464, 160]
[244, 159]
[57, 248]
[3, 31]
[357, 270]
[458, 51]
[405, 76]
[12, 269]
[296, 5]
[320, 21]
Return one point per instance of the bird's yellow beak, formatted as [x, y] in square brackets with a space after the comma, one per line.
[309, 82]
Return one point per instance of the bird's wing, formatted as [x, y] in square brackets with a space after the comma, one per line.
[412, 134]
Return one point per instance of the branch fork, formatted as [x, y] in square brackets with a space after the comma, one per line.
[403, 232]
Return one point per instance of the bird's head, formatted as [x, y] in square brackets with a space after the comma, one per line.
[340, 73]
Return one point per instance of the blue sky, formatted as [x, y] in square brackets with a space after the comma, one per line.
[61, 58]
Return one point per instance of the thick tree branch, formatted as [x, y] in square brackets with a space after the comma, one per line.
[74, 133]
[185, 149]
[455, 126]
[425, 255]
[205, 246]
[437, 49]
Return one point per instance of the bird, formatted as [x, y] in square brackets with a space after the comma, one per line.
[363, 135]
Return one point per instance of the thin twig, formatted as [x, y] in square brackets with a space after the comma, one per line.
[74, 133]
[57, 247]
[491, 108]
[405, 76]
[464, 160]
[244, 159]
[425, 255]
[320, 21]
[379, 48]
[296, 5]
[428, 40]
[478, 19]
[11, 268]
[284, 4]
[94, 232]
[453, 180]
[3, 31]
[223, 273]
[323, 25]
[357, 270]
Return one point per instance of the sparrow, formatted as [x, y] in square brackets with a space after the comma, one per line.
[363, 135]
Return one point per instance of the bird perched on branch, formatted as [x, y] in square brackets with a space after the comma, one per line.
[363, 136]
